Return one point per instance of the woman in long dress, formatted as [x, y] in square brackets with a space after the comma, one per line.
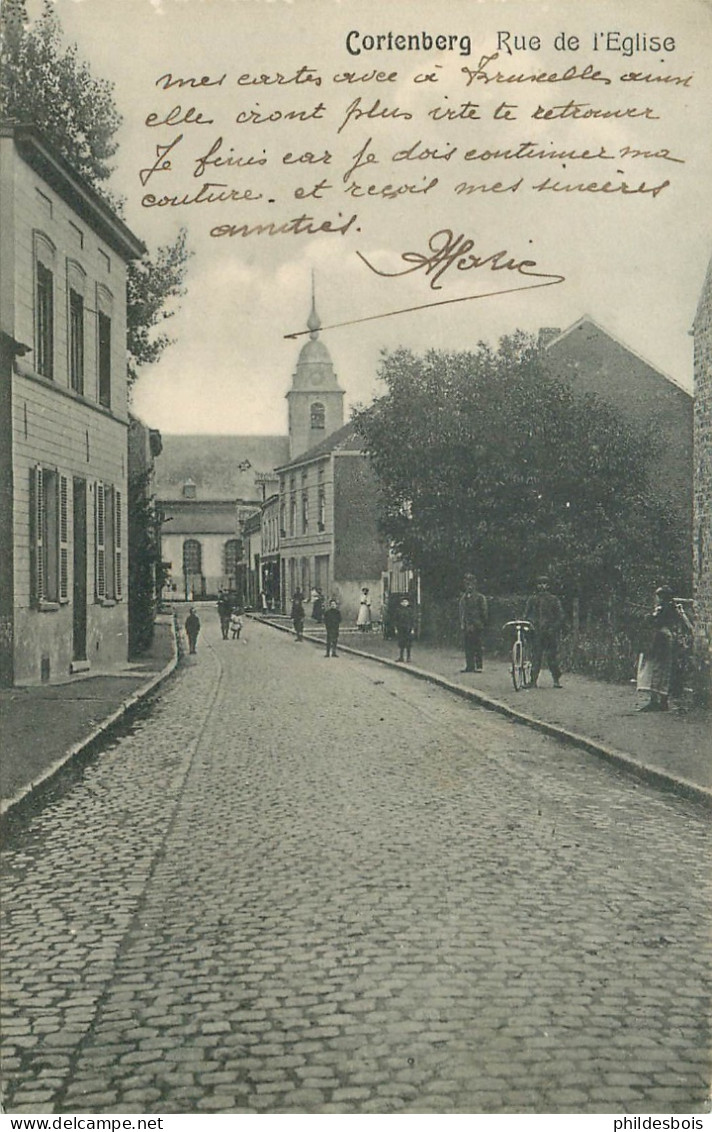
[363, 621]
[656, 664]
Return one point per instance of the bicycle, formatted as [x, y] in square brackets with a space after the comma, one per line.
[521, 654]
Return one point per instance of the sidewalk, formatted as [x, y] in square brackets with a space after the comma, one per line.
[673, 749]
[42, 727]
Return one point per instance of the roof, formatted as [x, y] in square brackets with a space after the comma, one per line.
[345, 439]
[221, 467]
[42, 156]
[586, 320]
[190, 517]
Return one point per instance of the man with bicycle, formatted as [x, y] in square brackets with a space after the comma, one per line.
[546, 614]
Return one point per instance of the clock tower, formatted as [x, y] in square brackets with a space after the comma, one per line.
[315, 400]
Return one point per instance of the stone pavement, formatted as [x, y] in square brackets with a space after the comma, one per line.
[43, 726]
[673, 749]
[310, 886]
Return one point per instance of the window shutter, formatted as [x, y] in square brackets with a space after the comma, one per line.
[38, 527]
[100, 551]
[63, 538]
[118, 548]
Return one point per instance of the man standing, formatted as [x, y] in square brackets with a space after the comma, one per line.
[224, 611]
[546, 614]
[332, 621]
[192, 628]
[473, 619]
[404, 629]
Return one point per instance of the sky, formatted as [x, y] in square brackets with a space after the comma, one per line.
[632, 258]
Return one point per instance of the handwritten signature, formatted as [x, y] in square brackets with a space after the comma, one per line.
[448, 251]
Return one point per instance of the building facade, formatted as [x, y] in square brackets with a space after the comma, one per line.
[63, 417]
[329, 536]
[270, 569]
[591, 360]
[206, 487]
[702, 528]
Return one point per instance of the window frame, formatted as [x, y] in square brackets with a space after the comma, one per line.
[103, 358]
[317, 415]
[108, 544]
[49, 537]
[44, 314]
[76, 341]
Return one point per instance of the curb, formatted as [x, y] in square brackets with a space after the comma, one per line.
[9, 806]
[620, 759]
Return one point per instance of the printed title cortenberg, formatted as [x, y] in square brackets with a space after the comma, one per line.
[357, 42]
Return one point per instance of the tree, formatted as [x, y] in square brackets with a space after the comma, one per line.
[46, 84]
[151, 283]
[145, 567]
[486, 463]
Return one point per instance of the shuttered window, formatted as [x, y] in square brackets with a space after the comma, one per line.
[100, 541]
[38, 530]
[63, 525]
[118, 548]
[49, 492]
[109, 552]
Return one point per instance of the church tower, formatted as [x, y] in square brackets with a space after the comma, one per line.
[315, 400]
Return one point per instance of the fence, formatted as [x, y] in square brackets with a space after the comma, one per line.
[605, 647]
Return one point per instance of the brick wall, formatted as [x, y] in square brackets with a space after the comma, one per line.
[592, 361]
[702, 532]
[359, 550]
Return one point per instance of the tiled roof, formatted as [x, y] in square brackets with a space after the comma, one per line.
[221, 467]
[345, 439]
[589, 329]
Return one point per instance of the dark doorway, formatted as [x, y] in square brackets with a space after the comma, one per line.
[79, 598]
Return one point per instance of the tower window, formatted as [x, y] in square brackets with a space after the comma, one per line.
[318, 415]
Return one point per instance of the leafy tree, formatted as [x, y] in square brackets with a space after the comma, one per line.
[486, 463]
[145, 578]
[151, 284]
[46, 84]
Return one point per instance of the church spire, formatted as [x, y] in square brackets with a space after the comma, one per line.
[313, 322]
[316, 400]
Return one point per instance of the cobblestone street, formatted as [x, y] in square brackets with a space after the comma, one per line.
[301, 885]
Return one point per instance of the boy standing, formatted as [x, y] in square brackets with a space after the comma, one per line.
[332, 621]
